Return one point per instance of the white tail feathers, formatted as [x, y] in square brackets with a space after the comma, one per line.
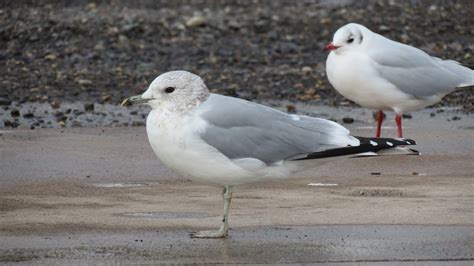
[465, 74]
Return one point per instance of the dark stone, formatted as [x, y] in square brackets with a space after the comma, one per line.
[8, 123]
[61, 118]
[15, 113]
[4, 101]
[28, 115]
[348, 120]
[89, 107]
[290, 108]
[456, 118]
[77, 112]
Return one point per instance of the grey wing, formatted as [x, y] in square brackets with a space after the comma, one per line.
[415, 72]
[242, 129]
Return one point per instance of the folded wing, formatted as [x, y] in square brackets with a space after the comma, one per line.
[415, 72]
[242, 129]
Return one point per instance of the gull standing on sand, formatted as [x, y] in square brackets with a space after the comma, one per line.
[227, 141]
[382, 74]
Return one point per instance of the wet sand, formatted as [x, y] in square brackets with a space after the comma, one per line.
[91, 195]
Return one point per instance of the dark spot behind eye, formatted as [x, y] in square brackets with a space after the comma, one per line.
[169, 90]
[351, 39]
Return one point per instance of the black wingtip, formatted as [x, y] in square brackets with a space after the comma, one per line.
[366, 145]
[388, 141]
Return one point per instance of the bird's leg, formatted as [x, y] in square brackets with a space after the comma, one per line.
[222, 232]
[398, 120]
[380, 116]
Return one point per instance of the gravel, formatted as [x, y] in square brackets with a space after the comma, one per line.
[69, 51]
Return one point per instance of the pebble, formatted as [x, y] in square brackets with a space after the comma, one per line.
[8, 123]
[55, 104]
[306, 70]
[84, 82]
[383, 28]
[4, 101]
[61, 118]
[196, 21]
[89, 107]
[106, 98]
[76, 123]
[77, 112]
[348, 120]
[28, 115]
[15, 113]
[50, 57]
[291, 108]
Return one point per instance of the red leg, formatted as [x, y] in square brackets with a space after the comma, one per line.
[398, 120]
[379, 123]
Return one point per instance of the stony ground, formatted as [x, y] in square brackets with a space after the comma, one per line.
[79, 51]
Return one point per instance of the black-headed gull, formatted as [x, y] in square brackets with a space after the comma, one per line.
[382, 74]
[227, 141]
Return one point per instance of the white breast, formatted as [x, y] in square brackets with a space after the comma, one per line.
[176, 142]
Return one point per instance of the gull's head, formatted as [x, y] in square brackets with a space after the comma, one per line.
[348, 37]
[181, 89]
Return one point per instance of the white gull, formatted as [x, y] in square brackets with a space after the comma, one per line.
[382, 74]
[227, 141]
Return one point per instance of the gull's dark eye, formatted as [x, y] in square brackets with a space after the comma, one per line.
[350, 40]
[169, 90]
